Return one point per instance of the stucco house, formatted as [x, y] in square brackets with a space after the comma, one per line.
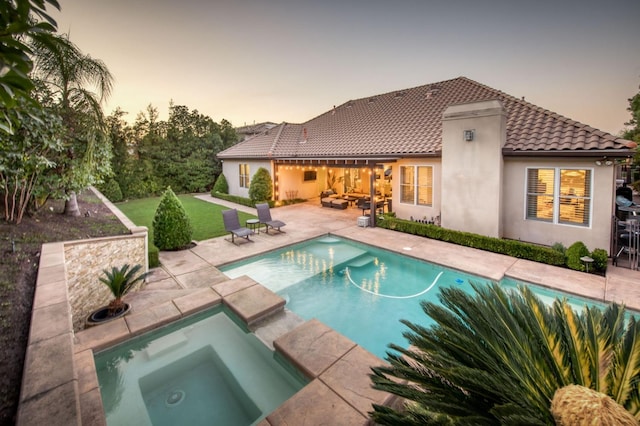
[469, 156]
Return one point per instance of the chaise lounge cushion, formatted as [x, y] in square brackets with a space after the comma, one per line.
[335, 203]
[339, 204]
[326, 202]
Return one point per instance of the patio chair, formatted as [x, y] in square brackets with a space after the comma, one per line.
[232, 225]
[264, 216]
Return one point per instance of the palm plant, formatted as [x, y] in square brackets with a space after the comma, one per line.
[20, 19]
[498, 358]
[120, 281]
[79, 84]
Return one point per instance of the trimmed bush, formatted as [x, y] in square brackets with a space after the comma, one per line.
[261, 187]
[111, 190]
[239, 200]
[574, 253]
[153, 256]
[171, 226]
[221, 186]
[559, 247]
[600, 260]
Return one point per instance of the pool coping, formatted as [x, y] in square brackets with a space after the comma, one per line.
[336, 367]
[69, 391]
[333, 364]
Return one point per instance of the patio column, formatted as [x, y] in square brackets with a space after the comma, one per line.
[372, 196]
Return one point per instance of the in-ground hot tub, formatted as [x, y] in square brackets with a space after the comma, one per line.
[201, 370]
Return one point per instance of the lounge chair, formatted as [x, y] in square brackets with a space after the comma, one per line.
[232, 225]
[264, 216]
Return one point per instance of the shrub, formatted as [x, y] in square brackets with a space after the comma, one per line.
[574, 253]
[221, 186]
[239, 200]
[111, 190]
[292, 201]
[154, 256]
[559, 247]
[600, 260]
[261, 187]
[171, 226]
[497, 245]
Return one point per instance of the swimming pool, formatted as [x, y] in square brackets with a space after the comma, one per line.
[202, 370]
[359, 290]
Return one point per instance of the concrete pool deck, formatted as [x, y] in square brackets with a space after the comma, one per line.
[309, 220]
[339, 391]
[340, 378]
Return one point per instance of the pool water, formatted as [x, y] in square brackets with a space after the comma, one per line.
[359, 290]
[203, 370]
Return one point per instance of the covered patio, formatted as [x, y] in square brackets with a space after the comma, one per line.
[339, 182]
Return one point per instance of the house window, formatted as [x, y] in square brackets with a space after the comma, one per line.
[559, 195]
[244, 175]
[310, 175]
[416, 185]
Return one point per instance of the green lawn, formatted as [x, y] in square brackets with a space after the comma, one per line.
[206, 218]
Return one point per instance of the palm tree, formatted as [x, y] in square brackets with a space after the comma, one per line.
[79, 84]
[20, 19]
[498, 358]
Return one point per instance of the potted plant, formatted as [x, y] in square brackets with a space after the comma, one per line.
[120, 281]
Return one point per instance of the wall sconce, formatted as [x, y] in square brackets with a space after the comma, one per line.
[604, 162]
[469, 135]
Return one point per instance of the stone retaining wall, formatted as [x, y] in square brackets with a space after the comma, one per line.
[85, 261]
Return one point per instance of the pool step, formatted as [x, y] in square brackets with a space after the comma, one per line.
[165, 344]
[361, 261]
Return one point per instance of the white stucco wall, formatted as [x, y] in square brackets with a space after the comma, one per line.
[475, 189]
[291, 181]
[231, 171]
[518, 228]
[418, 212]
[472, 170]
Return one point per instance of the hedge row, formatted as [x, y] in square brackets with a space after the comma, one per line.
[496, 245]
[249, 203]
[240, 200]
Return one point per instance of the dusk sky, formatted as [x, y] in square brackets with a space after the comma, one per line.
[290, 60]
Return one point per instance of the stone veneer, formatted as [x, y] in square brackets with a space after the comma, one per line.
[85, 260]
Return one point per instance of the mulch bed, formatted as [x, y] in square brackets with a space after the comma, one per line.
[19, 258]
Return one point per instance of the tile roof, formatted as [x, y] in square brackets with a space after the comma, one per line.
[409, 123]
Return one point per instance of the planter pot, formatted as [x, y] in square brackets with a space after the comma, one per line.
[101, 315]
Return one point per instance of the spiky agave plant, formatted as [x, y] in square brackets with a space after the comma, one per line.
[498, 357]
[120, 281]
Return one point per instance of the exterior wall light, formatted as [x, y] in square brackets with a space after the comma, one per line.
[469, 135]
[604, 162]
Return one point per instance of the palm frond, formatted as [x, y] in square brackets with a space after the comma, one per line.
[571, 337]
[121, 280]
[626, 369]
[499, 356]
